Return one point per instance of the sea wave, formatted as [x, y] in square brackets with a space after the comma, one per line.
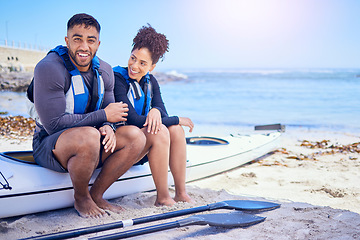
[176, 74]
[305, 74]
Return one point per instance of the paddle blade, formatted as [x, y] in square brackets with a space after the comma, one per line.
[250, 205]
[226, 220]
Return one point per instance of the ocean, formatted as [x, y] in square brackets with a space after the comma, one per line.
[232, 100]
[327, 99]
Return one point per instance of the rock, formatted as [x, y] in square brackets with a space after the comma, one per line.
[15, 81]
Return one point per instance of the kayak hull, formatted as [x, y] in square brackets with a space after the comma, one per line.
[37, 189]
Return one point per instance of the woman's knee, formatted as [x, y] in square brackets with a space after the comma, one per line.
[130, 134]
[176, 131]
[163, 135]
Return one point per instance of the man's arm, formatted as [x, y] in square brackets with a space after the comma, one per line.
[50, 102]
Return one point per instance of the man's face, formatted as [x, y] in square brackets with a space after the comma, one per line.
[82, 44]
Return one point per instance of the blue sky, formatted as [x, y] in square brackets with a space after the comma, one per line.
[204, 33]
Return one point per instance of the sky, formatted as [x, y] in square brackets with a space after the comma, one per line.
[203, 34]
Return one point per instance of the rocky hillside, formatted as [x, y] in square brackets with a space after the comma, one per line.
[15, 81]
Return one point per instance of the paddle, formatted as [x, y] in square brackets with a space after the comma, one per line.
[227, 220]
[230, 204]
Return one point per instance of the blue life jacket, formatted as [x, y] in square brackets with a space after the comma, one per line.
[139, 98]
[77, 97]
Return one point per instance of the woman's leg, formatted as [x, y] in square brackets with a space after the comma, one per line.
[178, 162]
[157, 149]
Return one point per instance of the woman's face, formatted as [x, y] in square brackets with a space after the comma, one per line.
[140, 63]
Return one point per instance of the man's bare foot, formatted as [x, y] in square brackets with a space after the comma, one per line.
[105, 205]
[183, 198]
[169, 202]
[87, 208]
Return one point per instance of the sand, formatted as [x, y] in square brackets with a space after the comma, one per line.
[319, 196]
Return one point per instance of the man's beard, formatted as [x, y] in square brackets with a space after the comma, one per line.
[73, 57]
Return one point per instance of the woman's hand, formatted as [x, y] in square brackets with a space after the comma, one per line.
[109, 140]
[184, 121]
[153, 121]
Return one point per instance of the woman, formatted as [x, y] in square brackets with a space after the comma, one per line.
[165, 137]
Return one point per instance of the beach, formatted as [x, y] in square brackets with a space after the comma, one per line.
[228, 66]
[316, 185]
[313, 174]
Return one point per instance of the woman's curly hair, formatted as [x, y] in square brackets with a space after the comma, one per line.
[156, 42]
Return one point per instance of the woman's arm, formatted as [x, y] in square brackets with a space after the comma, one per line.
[158, 103]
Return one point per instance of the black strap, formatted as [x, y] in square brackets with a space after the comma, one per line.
[146, 86]
[30, 91]
[67, 62]
[95, 95]
[137, 94]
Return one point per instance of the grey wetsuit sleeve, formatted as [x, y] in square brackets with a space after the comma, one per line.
[49, 86]
[109, 82]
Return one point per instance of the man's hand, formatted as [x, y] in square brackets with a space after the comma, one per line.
[116, 112]
[153, 121]
[109, 140]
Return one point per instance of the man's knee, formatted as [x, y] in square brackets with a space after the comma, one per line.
[85, 138]
[82, 141]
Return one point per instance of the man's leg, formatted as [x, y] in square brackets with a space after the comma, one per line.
[130, 142]
[77, 150]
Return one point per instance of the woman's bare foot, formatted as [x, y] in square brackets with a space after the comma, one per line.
[164, 202]
[183, 198]
[87, 208]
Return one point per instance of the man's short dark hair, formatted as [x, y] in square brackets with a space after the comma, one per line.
[83, 18]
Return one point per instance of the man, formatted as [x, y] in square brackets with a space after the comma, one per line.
[73, 96]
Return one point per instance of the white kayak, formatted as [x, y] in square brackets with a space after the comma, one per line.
[28, 188]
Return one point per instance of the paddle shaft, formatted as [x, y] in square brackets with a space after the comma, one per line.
[140, 231]
[109, 226]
